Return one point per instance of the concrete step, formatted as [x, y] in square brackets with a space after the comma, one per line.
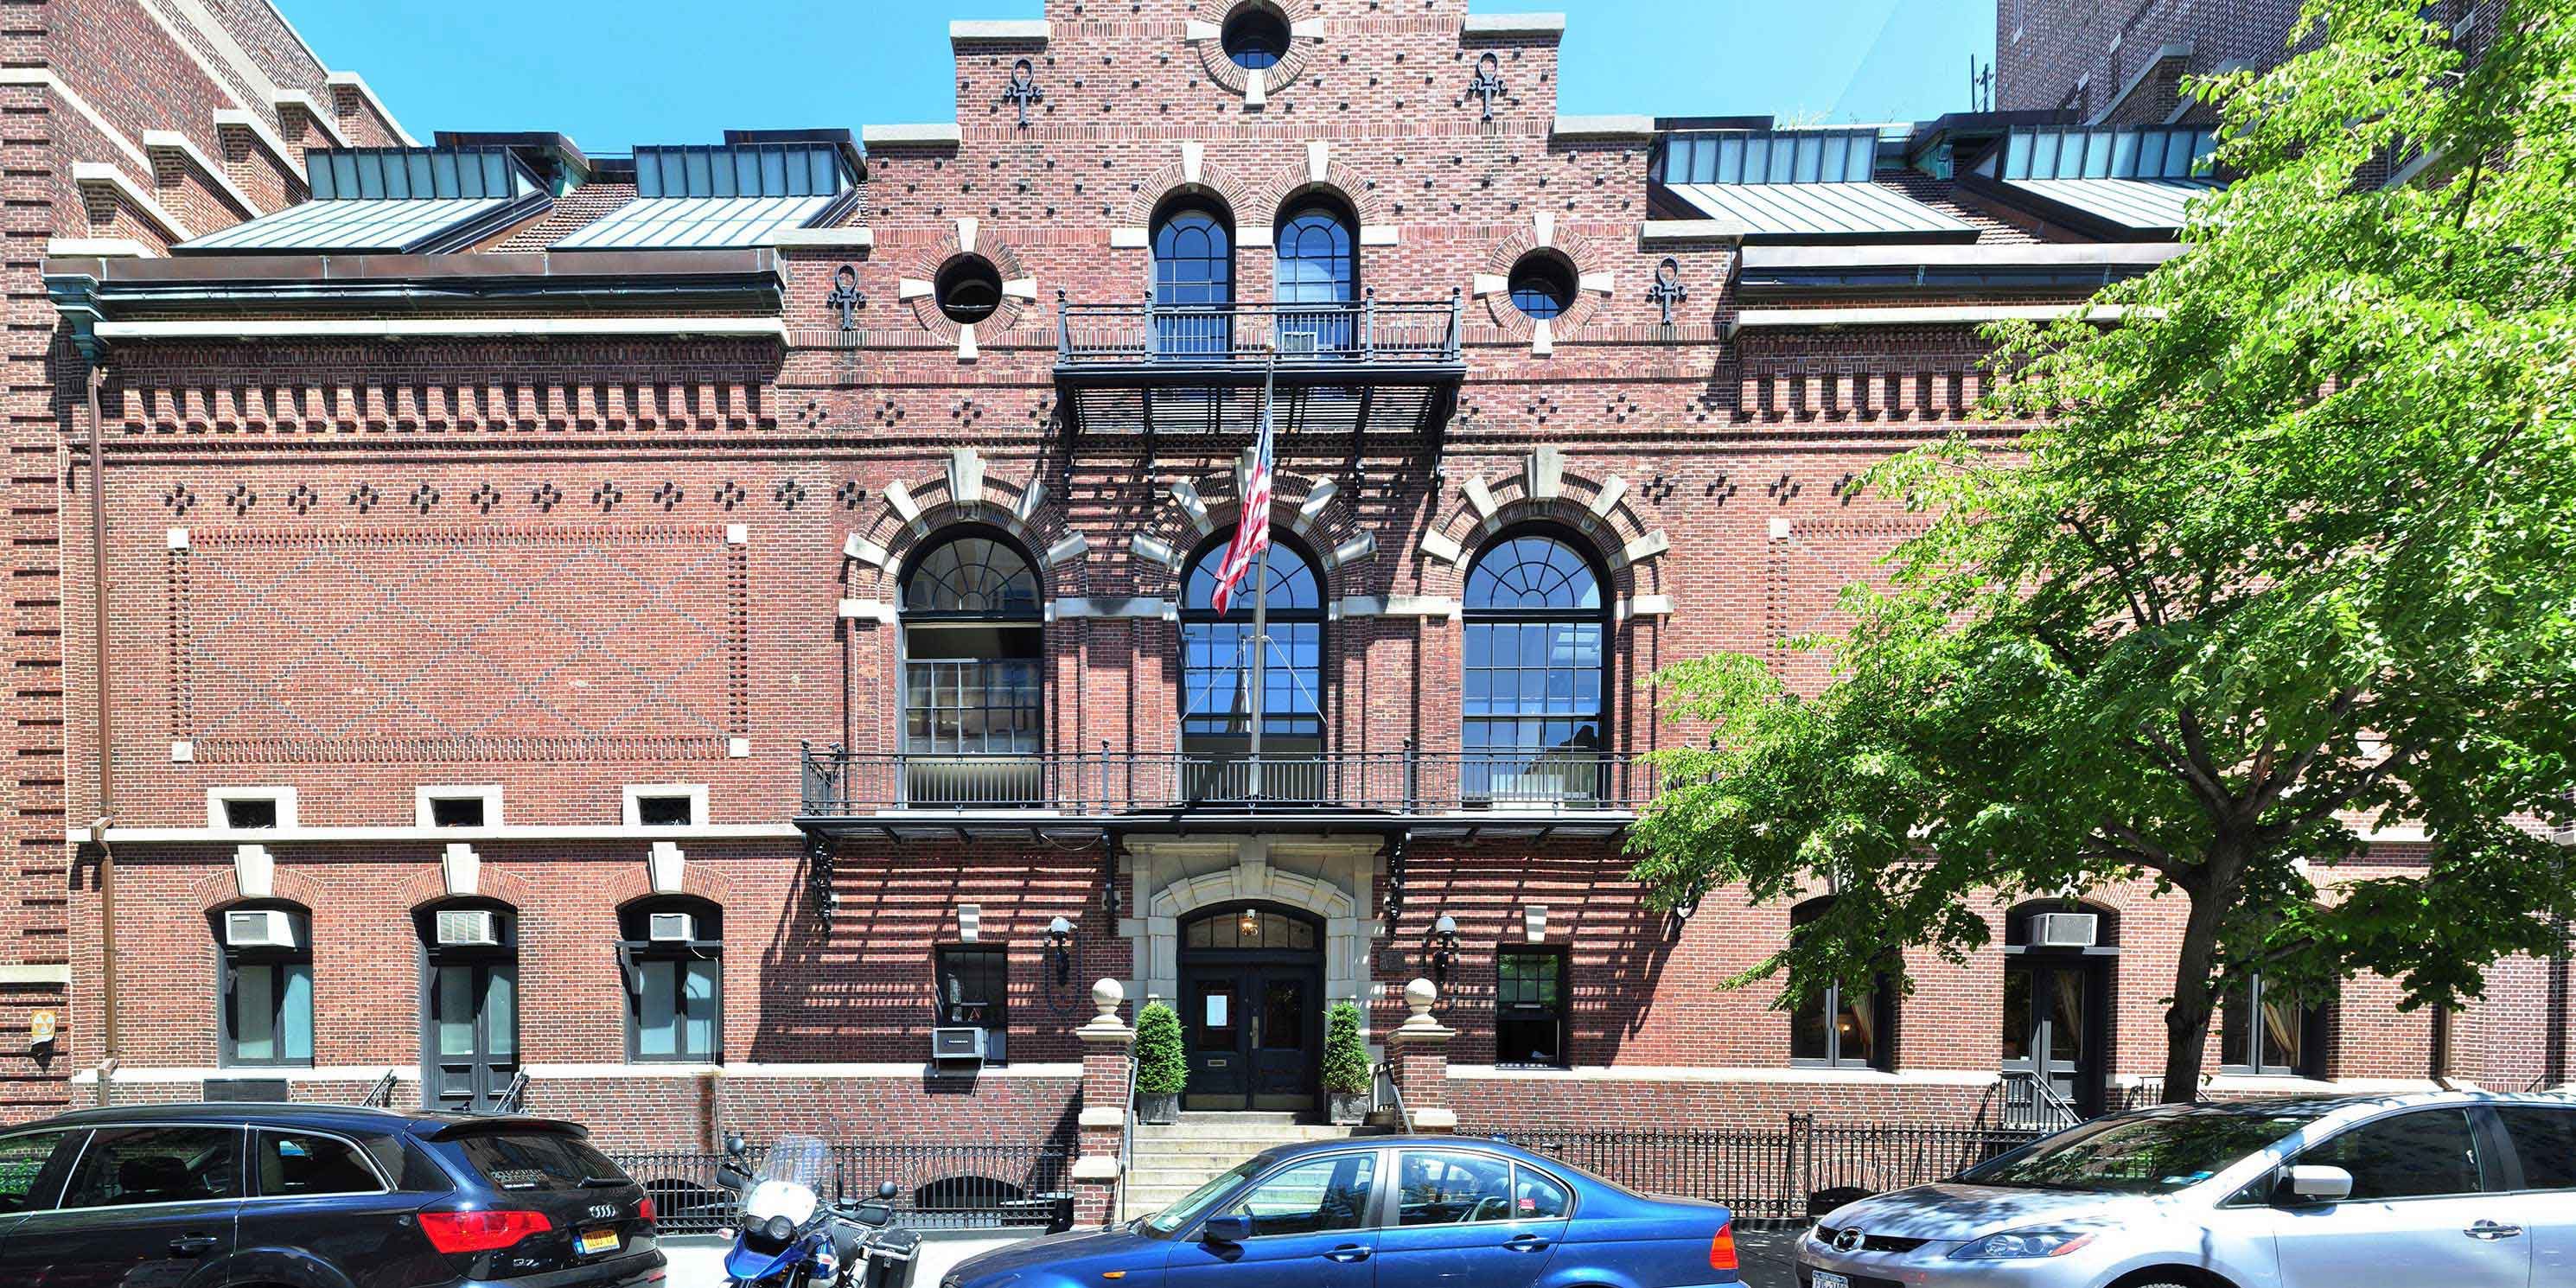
[1154, 1171]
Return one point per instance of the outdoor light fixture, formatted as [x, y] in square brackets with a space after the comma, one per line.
[1249, 925]
[1444, 946]
[1059, 949]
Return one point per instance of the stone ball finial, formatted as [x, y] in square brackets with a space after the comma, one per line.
[1105, 997]
[1419, 995]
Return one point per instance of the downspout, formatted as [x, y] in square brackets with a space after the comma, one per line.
[106, 765]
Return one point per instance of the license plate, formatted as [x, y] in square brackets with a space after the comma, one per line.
[591, 1241]
[1828, 1279]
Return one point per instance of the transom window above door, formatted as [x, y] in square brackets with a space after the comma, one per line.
[1249, 928]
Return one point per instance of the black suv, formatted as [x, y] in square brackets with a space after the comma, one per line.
[309, 1196]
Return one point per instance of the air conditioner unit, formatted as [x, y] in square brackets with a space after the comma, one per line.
[2065, 929]
[957, 1046]
[672, 928]
[1299, 344]
[469, 930]
[259, 928]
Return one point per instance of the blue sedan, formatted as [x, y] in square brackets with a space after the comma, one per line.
[1387, 1212]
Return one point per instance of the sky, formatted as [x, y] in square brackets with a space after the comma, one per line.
[615, 73]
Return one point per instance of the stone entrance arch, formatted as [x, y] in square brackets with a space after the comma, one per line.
[1328, 878]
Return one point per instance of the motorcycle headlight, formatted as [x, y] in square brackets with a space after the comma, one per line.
[2015, 1245]
[779, 1229]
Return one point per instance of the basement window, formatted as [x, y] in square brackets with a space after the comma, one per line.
[478, 806]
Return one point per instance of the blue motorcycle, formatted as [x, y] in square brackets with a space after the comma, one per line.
[789, 1235]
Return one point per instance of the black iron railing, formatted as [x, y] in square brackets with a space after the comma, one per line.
[1415, 332]
[841, 783]
[2029, 1101]
[940, 1186]
[1779, 1175]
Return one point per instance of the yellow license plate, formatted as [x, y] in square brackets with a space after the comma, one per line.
[591, 1241]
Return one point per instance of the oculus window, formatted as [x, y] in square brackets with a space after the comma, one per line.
[1531, 697]
[968, 288]
[267, 1000]
[1216, 678]
[974, 692]
[1255, 37]
[1542, 284]
[673, 954]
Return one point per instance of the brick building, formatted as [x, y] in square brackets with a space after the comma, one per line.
[680, 628]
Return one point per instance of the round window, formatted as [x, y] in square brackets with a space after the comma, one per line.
[1542, 284]
[1256, 36]
[969, 288]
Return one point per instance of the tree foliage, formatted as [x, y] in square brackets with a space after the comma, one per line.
[2287, 554]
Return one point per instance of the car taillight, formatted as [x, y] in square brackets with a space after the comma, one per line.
[454, 1232]
[645, 1210]
[1721, 1248]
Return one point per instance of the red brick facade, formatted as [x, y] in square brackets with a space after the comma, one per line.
[569, 563]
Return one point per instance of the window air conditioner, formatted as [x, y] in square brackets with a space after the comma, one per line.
[672, 928]
[2064, 929]
[957, 1046]
[259, 928]
[469, 930]
[1299, 344]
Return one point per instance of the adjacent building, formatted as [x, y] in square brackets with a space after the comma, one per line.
[723, 634]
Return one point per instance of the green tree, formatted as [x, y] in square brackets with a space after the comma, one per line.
[1346, 1062]
[2290, 552]
[1161, 1068]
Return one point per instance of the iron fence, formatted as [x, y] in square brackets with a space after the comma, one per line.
[939, 1186]
[1779, 1175]
[841, 783]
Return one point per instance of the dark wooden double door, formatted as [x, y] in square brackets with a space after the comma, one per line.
[2057, 1024]
[1255, 1030]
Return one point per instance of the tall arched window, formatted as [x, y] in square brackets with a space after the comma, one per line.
[1216, 670]
[1318, 266]
[1533, 719]
[1193, 278]
[974, 696]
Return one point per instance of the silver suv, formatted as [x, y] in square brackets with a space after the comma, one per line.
[2461, 1189]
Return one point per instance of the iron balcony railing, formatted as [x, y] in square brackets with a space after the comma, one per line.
[1411, 332]
[841, 783]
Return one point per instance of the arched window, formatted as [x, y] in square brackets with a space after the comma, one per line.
[267, 984]
[469, 1014]
[1318, 266]
[1531, 701]
[1216, 670]
[1193, 278]
[671, 950]
[1848, 1025]
[973, 686]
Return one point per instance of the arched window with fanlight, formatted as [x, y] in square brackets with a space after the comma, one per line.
[1531, 702]
[974, 694]
[1216, 678]
[1193, 279]
[1318, 267]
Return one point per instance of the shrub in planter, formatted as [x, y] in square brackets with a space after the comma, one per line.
[1161, 1069]
[1347, 1078]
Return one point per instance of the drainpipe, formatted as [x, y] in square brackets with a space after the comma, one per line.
[106, 767]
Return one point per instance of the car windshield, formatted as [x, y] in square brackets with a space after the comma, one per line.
[2152, 1155]
[1162, 1224]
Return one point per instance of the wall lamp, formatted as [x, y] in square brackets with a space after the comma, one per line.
[1059, 949]
[1444, 946]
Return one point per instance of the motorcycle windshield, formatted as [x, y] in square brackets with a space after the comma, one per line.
[790, 1181]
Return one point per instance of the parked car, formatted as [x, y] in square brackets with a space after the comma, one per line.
[2462, 1189]
[302, 1196]
[1387, 1212]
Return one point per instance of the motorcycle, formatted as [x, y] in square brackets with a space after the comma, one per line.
[790, 1236]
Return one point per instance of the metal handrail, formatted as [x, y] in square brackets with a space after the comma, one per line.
[381, 1095]
[1395, 1092]
[1243, 331]
[839, 783]
[2040, 1105]
[515, 1098]
[1126, 1145]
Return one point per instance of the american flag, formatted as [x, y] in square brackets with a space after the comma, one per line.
[1252, 527]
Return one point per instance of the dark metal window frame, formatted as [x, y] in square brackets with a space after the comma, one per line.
[1282, 544]
[1032, 619]
[229, 961]
[432, 956]
[637, 948]
[1170, 213]
[1472, 615]
[1345, 258]
[1543, 284]
[1562, 1016]
[2248, 994]
[994, 1013]
[1883, 1014]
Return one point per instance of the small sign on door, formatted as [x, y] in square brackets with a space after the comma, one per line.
[1216, 1010]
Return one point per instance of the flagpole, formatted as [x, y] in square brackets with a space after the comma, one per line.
[1260, 593]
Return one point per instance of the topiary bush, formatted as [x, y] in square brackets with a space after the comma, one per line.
[1346, 1062]
[1160, 1066]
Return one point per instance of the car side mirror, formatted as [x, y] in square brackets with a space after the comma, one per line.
[2312, 1183]
[1232, 1227]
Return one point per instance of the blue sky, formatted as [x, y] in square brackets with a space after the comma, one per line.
[614, 73]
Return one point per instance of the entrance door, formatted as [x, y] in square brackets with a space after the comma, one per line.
[2052, 1021]
[473, 1034]
[1252, 985]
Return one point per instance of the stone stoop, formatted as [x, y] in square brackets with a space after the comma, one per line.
[1173, 1160]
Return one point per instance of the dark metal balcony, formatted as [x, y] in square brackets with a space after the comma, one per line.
[1082, 793]
[1374, 367]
